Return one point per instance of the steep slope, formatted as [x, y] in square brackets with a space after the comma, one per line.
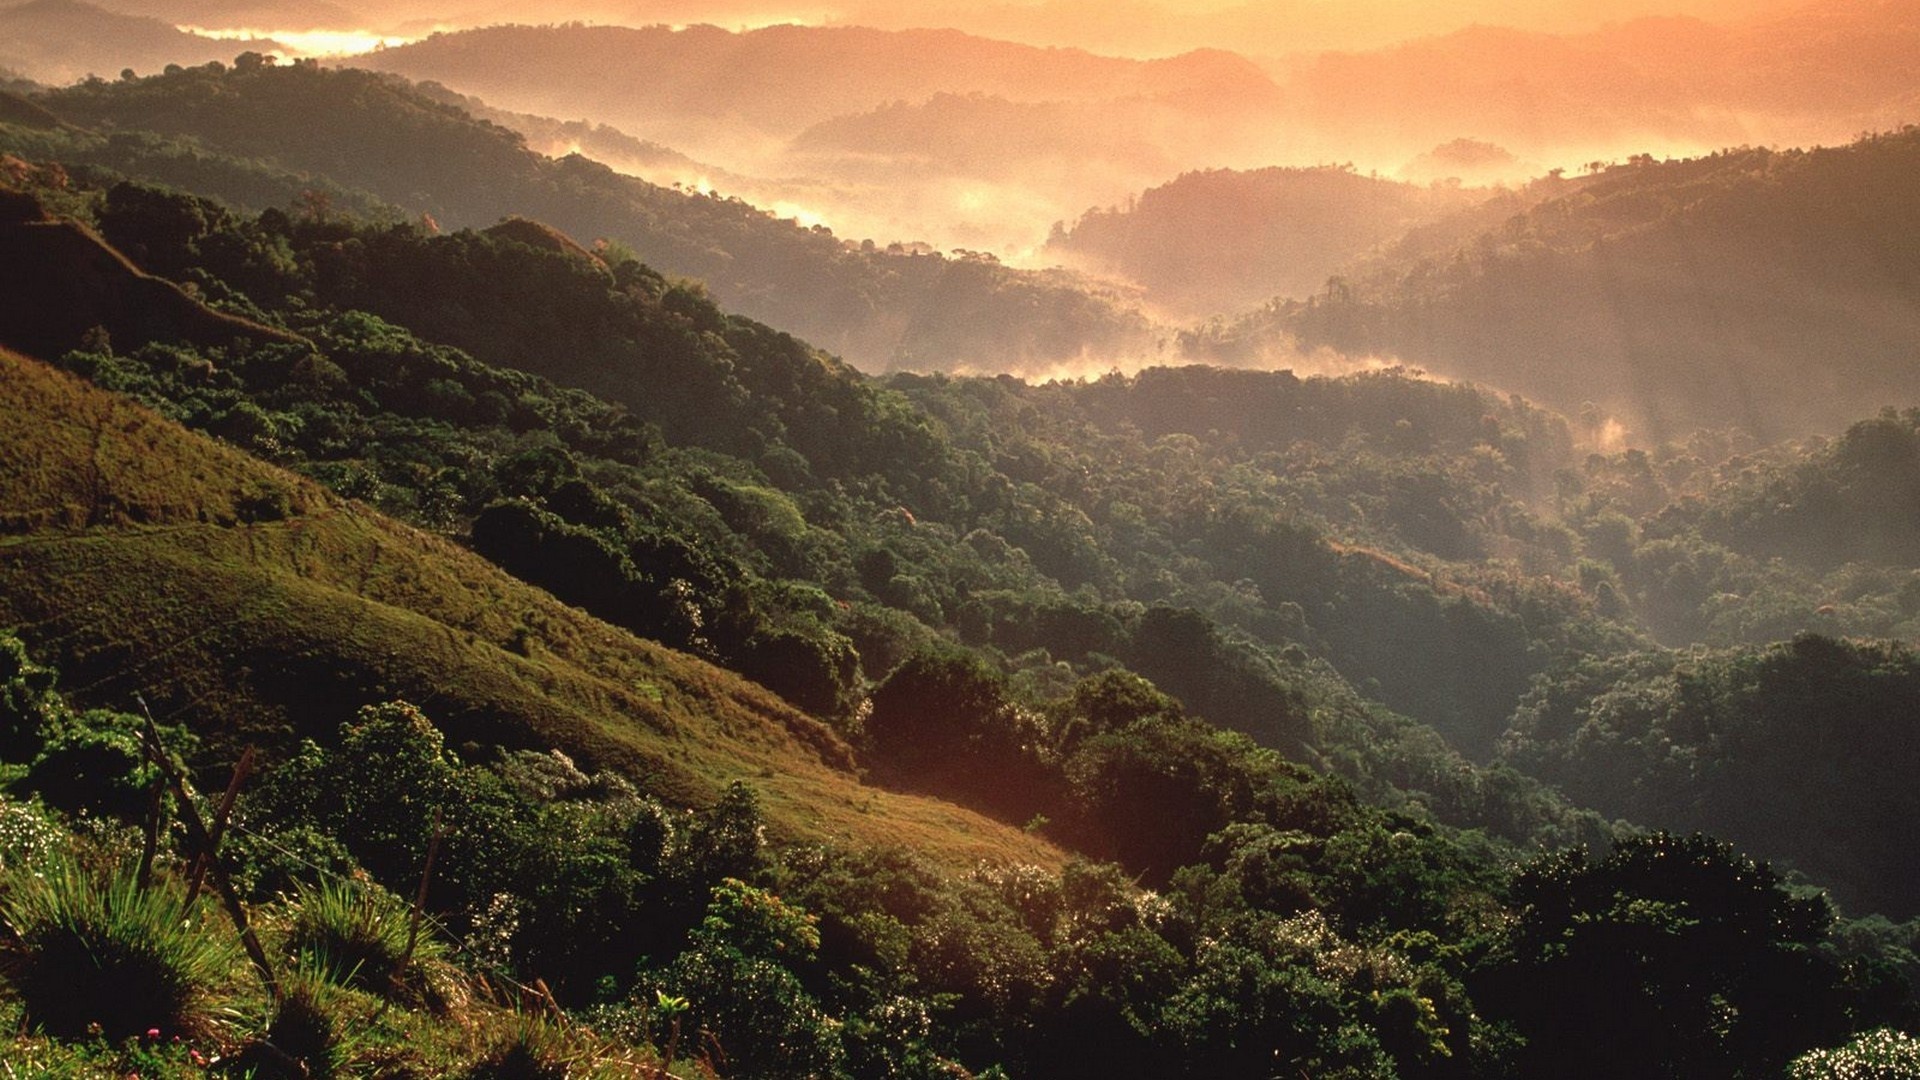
[1774, 291]
[878, 308]
[62, 282]
[251, 605]
[770, 509]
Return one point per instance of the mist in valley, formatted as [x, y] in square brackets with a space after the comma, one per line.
[1304, 193]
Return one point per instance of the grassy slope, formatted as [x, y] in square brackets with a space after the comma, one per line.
[128, 556]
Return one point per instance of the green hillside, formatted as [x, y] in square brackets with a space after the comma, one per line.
[63, 282]
[822, 527]
[1803, 749]
[1285, 556]
[239, 598]
[251, 604]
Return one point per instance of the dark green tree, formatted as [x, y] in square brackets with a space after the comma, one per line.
[1668, 957]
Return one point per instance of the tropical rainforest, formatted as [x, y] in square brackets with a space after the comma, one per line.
[466, 611]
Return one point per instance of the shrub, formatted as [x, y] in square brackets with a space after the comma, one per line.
[306, 1036]
[103, 951]
[358, 933]
[28, 835]
[1877, 1055]
[528, 1048]
[95, 763]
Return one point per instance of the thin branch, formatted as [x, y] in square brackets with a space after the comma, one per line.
[420, 897]
[197, 835]
[241, 769]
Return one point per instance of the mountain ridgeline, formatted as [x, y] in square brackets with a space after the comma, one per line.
[982, 579]
[880, 308]
[1665, 295]
[63, 41]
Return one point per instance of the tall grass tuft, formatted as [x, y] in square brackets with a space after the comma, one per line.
[527, 1048]
[308, 1036]
[98, 950]
[360, 932]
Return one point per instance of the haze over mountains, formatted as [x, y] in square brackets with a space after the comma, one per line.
[964, 139]
[59, 41]
[878, 112]
[1114, 166]
[1141, 28]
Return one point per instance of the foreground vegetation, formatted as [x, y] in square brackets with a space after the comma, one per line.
[578, 924]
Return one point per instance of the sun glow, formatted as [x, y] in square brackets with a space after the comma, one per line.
[800, 215]
[305, 43]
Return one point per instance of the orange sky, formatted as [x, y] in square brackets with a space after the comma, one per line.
[1126, 27]
[1156, 27]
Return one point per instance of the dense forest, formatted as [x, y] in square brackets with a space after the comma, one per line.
[1739, 290]
[632, 686]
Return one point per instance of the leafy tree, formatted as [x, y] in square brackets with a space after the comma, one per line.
[96, 763]
[1669, 956]
[743, 998]
[943, 718]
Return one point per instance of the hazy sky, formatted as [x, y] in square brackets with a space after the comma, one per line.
[1268, 27]
[1128, 27]
[1149, 27]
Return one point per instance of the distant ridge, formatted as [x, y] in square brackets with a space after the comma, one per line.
[1770, 290]
[785, 78]
[60, 41]
[901, 306]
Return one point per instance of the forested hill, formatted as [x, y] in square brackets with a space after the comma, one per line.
[984, 509]
[354, 130]
[1769, 290]
[1805, 748]
[196, 574]
[1224, 240]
